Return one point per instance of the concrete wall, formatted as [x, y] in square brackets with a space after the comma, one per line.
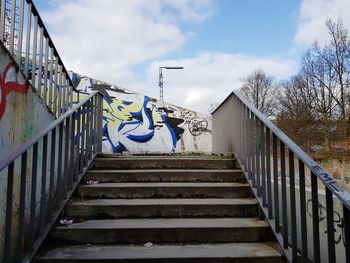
[22, 113]
[136, 123]
[22, 116]
[223, 125]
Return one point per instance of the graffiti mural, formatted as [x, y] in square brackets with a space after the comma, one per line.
[10, 81]
[136, 123]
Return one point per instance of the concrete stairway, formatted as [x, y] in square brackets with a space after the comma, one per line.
[162, 209]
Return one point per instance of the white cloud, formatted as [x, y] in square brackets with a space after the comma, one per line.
[210, 77]
[106, 38]
[313, 14]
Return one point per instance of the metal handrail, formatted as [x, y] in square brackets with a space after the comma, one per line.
[328, 181]
[66, 148]
[27, 39]
[254, 139]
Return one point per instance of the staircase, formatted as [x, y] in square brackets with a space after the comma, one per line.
[162, 209]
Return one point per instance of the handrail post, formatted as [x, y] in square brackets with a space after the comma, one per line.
[99, 122]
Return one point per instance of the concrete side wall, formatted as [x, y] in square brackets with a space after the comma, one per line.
[223, 124]
[22, 116]
[136, 123]
[22, 113]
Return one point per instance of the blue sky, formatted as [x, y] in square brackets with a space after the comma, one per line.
[219, 42]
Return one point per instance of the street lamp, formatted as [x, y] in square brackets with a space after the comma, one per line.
[161, 80]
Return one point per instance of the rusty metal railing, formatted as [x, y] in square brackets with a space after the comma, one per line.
[24, 34]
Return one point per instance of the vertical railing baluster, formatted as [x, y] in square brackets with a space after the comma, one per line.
[60, 163]
[263, 161]
[22, 205]
[43, 205]
[20, 32]
[66, 156]
[248, 146]
[27, 54]
[100, 122]
[40, 70]
[9, 210]
[72, 151]
[77, 166]
[12, 26]
[330, 226]
[2, 21]
[303, 222]
[87, 151]
[52, 169]
[315, 219]
[257, 157]
[83, 140]
[32, 221]
[46, 61]
[50, 79]
[60, 92]
[284, 195]
[275, 183]
[253, 140]
[63, 94]
[346, 215]
[55, 90]
[293, 206]
[268, 172]
[35, 38]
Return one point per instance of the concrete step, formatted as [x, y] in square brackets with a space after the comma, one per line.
[184, 230]
[166, 175]
[147, 208]
[164, 190]
[204, 253]
[155, 162]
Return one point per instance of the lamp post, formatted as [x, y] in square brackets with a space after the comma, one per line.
[161, 81]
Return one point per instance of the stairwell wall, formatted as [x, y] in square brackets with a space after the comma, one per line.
[135, 123]
[22, 115]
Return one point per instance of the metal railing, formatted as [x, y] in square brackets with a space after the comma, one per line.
[24, 34]
[272, 163]
[47, 169]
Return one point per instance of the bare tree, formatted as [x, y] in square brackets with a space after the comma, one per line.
[259, 89]
[335, 57]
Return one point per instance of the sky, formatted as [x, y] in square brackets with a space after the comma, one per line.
[218, 42]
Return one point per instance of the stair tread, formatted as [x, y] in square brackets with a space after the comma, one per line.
[164, 170]
[100, 252]
[165, 201]
[160, 223]
[165, 184]
[145, 157]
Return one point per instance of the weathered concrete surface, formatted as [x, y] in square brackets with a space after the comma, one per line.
[22, 112]
[185, 230]
[165, 175]
[164, 190]
[223, 253]
[215, 209]
[163, 163]
[144, 208]
[22, 116]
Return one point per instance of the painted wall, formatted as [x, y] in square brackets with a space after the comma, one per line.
[22, 113]
[22, 116]
[136, 123]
